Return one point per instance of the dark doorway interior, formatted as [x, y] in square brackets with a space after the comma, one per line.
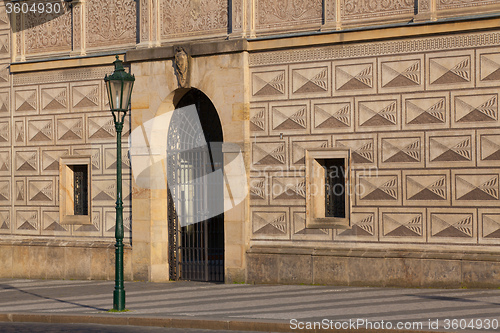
[195, 200]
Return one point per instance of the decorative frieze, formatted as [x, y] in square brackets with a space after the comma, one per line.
[180, 18]
[276, 15]
[104, 28]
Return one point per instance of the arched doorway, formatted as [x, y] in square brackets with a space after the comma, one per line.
[195, 188]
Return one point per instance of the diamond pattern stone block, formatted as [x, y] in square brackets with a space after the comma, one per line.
[19, 191]
[269, 154]
[475, 187]
[27, 221]
[54, 99]
[109, 216]
[258, 191]
[94, 153]
[286, 189]
[363, 148]
[4, 45]
[452, 225]
[103, 191]
[310, 81]
[333, 116]
[85, 97]
[5, 75]
[26, 101]
[5, 162]
[19, 132]
[50, 160]
[475, 109]
[402, 151]
[489, 68]
[401, 74]
[489, 148]
[299, 147]
[5, 133]
[425, 111]
[382, 188]
[403, 225]
[5, 192]
[376, 113]
[258, 120]
[489, 225]
[101, 128]
[110, 160]
[354, 78]
[451, 70]
[451, 150]
[364, 226]
[5, 221]
[26, 161]
[426, 188]
[270, 223]
[289, 118]
[50, 223]
[4, 103]
[70, 130]
[40, 131]
[41, 191]
[269, 84]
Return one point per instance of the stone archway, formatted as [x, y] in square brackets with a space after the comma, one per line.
[195, 190]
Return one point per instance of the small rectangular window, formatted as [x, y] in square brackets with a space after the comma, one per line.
[74, 190]
[327, 188]
[80, 186]
[335, 187]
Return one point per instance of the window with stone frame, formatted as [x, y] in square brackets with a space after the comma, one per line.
[328, 188]
[74, 190]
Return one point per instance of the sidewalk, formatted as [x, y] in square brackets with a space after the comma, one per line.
[277, 308]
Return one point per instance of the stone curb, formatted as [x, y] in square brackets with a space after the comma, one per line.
[179, 322]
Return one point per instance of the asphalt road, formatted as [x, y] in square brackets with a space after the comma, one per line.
[93, 328]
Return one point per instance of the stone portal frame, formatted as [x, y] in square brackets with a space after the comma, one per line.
[66, 190]
[316, 160]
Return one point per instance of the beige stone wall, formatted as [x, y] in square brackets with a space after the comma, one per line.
[419, 116]
[61, 260]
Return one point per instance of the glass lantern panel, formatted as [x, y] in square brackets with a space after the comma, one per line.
[116, 93]
[127, 91]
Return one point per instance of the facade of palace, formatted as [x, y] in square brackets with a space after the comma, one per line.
[400, 96]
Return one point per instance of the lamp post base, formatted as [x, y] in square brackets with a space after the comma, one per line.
[119, 299]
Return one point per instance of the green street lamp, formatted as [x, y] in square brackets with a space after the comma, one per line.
[119, 86]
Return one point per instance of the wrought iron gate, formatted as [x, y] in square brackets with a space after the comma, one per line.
[196, 229]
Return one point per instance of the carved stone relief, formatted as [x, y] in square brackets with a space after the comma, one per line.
[189, 17]
[144, 20]
[275, 14]
[452, 4]
[104, 29]
[362, 9]
[47, 35]
[237, 15]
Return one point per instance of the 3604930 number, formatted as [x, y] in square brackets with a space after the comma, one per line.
[33, 7]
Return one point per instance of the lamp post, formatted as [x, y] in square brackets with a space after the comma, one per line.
[119, 87]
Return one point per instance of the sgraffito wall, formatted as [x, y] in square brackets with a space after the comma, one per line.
[45, 115]
[420, 117]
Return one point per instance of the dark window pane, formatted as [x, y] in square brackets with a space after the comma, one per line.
[335, 187]
[80, 189]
